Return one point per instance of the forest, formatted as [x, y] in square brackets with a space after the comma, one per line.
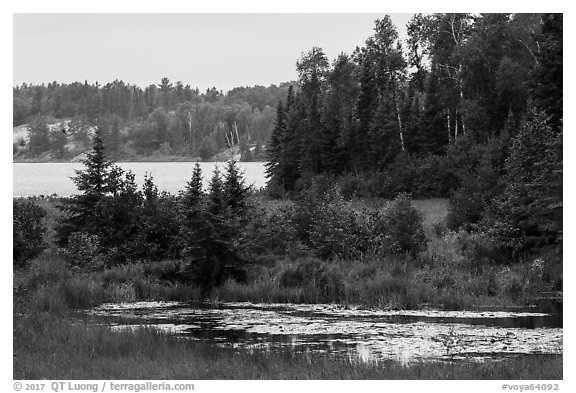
[399, 177]
[167, 120]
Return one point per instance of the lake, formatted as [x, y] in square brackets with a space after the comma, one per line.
[31, 179]
[346, 331]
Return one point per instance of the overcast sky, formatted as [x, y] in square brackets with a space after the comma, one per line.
[202, 50]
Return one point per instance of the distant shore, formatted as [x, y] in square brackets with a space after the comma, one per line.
[40, 160]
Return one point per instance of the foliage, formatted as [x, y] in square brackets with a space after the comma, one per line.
[337, 230]
[84, 251]
[167, 120]
[528, 214]
[402, 227]
[28, 230]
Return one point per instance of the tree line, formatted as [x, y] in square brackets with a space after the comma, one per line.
[161, 119]
[461, 78]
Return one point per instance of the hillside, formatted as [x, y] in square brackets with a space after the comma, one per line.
[75, 146]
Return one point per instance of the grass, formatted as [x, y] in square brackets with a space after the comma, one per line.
[51, 284]
[94, 352]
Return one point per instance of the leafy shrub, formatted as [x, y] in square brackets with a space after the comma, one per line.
[268, 231]
[402, 227]
[337, 230]
[28, 230]
[84, 250]
[466, 208]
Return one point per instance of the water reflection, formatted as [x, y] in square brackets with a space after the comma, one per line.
[348, 331]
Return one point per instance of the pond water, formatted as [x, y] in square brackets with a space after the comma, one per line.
[32, 179]
[350, 332]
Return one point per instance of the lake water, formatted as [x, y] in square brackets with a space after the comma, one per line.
[350, 332]
[32, 179]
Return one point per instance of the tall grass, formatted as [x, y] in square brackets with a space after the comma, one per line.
[51, 284]
[46, 347]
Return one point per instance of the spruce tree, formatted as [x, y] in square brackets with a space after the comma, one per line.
[274, 147]
[192, 195]
[547, 78]
[235, 190]
[84, 211]
[209, 249]
[216, 198]
[528, 214]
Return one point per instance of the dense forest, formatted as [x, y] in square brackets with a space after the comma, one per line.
[463, 81]
[166, 120]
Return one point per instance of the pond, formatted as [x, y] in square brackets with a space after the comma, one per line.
[32, 179]
[344, 331]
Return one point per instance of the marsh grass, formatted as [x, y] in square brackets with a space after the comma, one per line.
[51, 284]
[51, 347]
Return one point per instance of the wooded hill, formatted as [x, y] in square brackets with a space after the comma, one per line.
[160, 121]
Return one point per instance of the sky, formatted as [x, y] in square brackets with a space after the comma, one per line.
[202, 50]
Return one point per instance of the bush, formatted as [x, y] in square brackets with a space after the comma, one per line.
[402, 227]
[84, 251]
[336, 229]
[466, 208]
[28, 231]
[268, 231]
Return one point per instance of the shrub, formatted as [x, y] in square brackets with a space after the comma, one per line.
[268, 231]
[337, 230]
[84, 250]
[466, 208]
[28, 231]
[402, 227]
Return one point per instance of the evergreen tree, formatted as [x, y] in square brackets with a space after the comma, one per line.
[291, 142]
[100, 180]
[209, 251]
[365, 109]
[433, 135]
[235, 190]
[312, 68]
[193, 193]
[216, 199]
[274, 146]
[284, 147]
[338, 115]
[547, 77]
[528, 214]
